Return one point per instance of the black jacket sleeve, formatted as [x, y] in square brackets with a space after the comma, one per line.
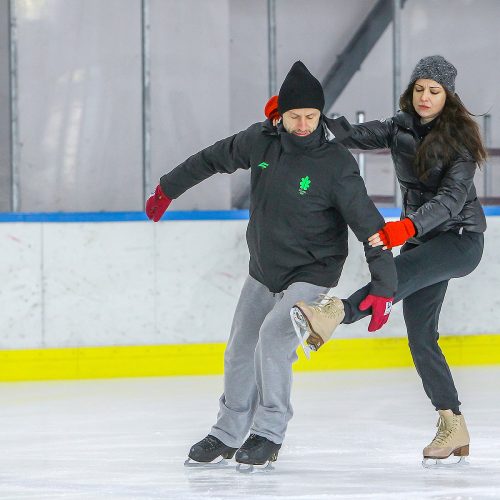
[449, 199]
[370, 135]
[352, 201]
[225, 156]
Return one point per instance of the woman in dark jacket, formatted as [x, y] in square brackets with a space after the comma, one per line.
[436, 148]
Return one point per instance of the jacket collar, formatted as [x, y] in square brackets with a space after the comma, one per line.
[337, 129]
[268, 128]
[404, 119]
[292, 143]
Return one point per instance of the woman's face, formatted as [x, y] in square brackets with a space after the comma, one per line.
[429, 98]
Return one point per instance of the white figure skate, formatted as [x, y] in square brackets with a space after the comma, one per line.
[451, 441]
[314, 324]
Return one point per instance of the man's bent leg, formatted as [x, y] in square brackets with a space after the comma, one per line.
[237, 403]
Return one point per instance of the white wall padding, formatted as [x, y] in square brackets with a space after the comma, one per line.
[139, 283]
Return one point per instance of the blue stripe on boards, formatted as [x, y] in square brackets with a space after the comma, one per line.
[492, 210]
[489, 210]
[121, 216]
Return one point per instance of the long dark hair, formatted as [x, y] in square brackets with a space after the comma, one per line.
[454, 133]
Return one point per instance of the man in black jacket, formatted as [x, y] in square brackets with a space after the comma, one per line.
[305, 192]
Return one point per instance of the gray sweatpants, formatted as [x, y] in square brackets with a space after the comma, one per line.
[258, 363]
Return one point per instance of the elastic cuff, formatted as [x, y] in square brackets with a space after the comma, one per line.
[409, 226]
[418, 231]
[381, 291]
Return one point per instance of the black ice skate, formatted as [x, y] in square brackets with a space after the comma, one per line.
[209, 451]
[256, 452]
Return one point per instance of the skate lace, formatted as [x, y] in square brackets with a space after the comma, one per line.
[443, 432]
[328, 305]
[252, 440]
[256, 438]
[211, 443]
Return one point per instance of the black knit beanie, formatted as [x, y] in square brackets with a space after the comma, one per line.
[435, 68]
[300, 90]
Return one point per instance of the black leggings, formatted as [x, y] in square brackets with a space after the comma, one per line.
[423, 274]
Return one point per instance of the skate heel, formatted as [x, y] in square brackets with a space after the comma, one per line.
[229, 454]
[463, 451]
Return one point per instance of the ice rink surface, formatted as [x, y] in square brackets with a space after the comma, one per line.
[355, 434]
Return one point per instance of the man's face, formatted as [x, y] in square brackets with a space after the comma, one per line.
[301, 122]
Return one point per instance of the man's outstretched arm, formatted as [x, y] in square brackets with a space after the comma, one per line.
[225, 156]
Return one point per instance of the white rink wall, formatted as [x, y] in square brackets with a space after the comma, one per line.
[175, 282]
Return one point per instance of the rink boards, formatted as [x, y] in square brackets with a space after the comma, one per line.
[111, 295]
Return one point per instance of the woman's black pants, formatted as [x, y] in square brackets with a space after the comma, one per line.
[423, 274]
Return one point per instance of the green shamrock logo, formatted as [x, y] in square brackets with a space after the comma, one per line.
[305, 182]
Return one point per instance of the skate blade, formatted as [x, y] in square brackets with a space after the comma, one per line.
[300, 326]
[252, 469]
[444, 463]
[217, 463]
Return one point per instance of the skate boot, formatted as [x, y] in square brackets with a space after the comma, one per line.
[314, 324]
[209, 451]
[257, 452]
[452, 437]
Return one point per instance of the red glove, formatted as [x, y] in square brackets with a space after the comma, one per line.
[157, 204]
[394, 234]
[381, 308]
[271, 109]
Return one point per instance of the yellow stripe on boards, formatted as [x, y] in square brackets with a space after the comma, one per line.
[111, 362]
[207, 359]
